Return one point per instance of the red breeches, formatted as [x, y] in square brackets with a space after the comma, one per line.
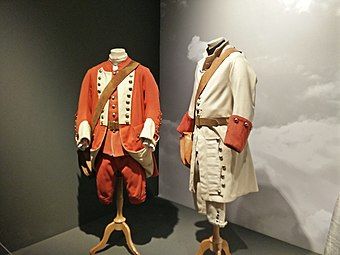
[132, 172]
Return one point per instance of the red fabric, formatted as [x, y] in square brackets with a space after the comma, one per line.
[133, 175]
[187, 124]
[237, 132]
[112, 142]
[145, 104]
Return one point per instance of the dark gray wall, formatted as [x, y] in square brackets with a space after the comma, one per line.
[45, 50]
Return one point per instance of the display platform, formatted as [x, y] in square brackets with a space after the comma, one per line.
[164, 228]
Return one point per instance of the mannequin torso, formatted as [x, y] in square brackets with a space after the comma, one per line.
[116, 56]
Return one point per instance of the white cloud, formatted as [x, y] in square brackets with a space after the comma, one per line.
[305, 6]
[196, 49]
[300, 162]
[182, 3]
[325, 91]
[308, 145]
[315, 77]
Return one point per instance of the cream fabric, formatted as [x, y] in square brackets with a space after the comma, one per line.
[333, 240]
[103, 78]
[148, 133]
[219, 174]
[84, 131]
[125, 89]
[145, 159]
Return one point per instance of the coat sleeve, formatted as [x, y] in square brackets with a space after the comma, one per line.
[187, 123]
[84, 111]
[243, 81]
[153, 115]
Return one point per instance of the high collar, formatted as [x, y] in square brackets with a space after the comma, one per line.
[217, 52]
[108, 64]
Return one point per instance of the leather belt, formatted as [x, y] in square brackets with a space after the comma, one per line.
[211, 122]
[113, 125]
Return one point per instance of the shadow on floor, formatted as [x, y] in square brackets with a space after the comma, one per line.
[155, 218]
[234, 240]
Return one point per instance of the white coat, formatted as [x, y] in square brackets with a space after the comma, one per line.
[217, 172]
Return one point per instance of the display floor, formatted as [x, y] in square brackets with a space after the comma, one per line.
[160, 227]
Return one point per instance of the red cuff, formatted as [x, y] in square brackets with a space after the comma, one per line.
[237, 132]
[187, 124]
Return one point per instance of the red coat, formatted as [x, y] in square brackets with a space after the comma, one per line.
[139, 108]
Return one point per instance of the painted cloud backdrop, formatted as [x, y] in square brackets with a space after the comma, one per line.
[293, 46]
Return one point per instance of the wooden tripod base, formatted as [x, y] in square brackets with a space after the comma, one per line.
[118, 224]
[215, 243]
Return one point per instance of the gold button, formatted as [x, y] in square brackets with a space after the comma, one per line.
[99, 78]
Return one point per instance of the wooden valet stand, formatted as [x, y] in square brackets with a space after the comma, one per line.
[215, 243]
[118, 224]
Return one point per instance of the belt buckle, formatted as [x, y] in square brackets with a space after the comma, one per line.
[113, 126]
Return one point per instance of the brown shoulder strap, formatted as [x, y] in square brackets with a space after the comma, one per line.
[110, 88]
[207, 75]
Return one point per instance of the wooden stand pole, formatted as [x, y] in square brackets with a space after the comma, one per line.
[118, 224]
[215, 243]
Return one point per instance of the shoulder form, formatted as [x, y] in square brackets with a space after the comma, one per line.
[143, 68]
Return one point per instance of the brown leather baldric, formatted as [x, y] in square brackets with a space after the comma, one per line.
[110, 88]
[214, 66]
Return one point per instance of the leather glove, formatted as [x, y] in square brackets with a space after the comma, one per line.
[185, 146]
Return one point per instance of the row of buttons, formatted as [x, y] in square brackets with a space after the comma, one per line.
[220, 150]
[127, 115]
[198, 110]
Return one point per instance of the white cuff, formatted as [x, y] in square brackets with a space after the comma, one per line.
[148, 131]
[149, 144]
[84, 131]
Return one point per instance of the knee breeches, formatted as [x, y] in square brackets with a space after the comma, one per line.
[132, 173]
